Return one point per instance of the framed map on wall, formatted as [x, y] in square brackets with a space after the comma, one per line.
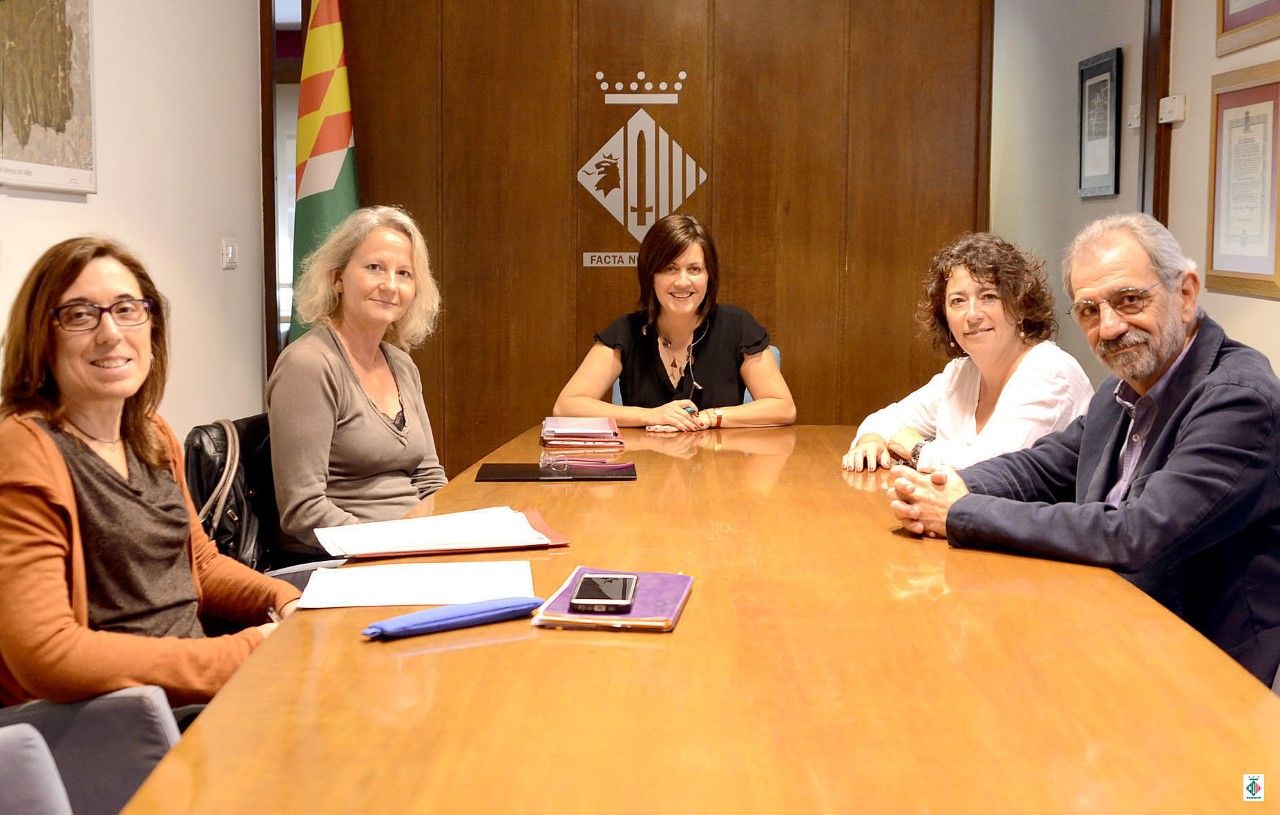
[46, 96]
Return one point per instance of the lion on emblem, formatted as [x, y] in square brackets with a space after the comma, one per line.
[608, 178]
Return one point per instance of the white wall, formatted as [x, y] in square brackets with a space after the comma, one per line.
[179, 165]
[1249, 319]
[1038, 45]
[1033, 141]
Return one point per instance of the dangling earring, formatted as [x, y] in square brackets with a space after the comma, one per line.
[953, 339]
[1022, 329]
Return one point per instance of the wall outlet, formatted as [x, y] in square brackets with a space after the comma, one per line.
[1134, 120]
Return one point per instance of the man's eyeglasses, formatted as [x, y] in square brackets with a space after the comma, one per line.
[86, 316]
[1128, 302]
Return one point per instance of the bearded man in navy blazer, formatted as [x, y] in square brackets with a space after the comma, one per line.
[1172, 478]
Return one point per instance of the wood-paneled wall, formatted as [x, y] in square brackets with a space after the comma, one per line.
[843, 143]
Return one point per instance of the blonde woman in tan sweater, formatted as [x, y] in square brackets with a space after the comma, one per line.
[350, 437]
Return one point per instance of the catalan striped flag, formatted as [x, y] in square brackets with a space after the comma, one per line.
[326, 160]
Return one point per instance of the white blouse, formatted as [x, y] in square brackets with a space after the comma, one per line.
[1046, 392]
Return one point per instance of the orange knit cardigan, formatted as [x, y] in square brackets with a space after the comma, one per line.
[47, 650]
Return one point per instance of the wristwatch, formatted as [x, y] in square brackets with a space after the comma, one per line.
[915, 453]
[719, 414]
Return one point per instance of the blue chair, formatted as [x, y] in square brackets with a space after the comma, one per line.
[86, 757]
[29, 780]
[746, 397]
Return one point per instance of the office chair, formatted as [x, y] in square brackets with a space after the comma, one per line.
[83, 757]
[228, 470]
[29, 782]
[746, 396]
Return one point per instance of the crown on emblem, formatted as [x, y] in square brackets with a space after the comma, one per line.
[642, 90]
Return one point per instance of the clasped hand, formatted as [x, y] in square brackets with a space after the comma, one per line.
[921, 500]
[678, 416]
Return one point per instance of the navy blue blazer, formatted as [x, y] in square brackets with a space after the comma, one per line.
[1199, 529]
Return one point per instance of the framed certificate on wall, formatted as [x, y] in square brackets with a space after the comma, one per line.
[1242, 23]
[1099, 108]
[1243, 182]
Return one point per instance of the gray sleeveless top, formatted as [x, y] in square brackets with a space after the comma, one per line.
[134, 535]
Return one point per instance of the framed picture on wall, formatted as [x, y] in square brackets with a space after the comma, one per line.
[1242, 23]
[1243, 182]
[46, 119]
[1099, 108]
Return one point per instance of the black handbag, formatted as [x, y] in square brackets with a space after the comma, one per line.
[228, 471]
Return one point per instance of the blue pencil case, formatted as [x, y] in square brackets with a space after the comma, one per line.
[446, 618]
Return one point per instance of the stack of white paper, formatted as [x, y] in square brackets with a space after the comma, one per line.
[492, 528]
[576, 431]
[418, 584]
[579, 427]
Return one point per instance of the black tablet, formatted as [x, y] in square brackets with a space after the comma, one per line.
[532, 471]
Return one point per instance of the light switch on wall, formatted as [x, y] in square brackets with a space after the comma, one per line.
[230, 253]
[1134, 120]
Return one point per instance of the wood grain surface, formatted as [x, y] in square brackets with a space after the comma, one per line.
[843, 142]
[825, 663]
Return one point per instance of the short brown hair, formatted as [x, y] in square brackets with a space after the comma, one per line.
[28, 384]
[1016, 275]
[665, 241]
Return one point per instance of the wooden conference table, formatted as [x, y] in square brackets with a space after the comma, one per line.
[825, 663]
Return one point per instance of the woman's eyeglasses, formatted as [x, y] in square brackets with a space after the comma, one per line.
[1127, 302]
[87, 316]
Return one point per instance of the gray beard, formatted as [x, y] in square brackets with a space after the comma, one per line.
[1151, 355]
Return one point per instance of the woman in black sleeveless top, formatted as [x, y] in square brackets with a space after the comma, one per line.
[682, 362]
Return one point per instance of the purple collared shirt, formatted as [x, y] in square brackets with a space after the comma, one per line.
[1142, 412]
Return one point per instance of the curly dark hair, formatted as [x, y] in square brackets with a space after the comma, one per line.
[1018, 276]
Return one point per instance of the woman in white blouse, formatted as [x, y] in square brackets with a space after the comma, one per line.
[988, 306]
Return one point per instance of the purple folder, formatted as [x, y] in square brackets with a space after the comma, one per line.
[658, 601]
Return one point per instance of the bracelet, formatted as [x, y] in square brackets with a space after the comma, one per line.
[915, 453]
